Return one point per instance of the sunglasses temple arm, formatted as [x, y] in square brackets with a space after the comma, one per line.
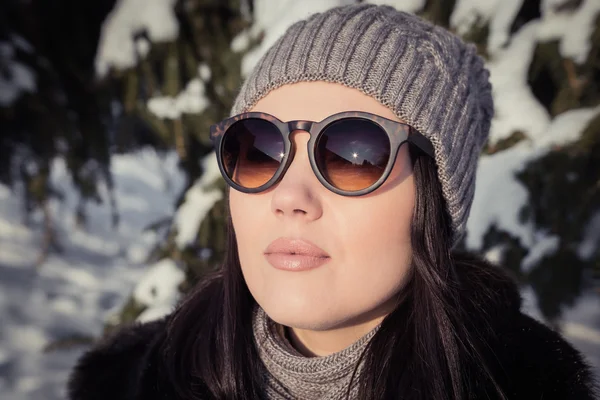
[422, 143]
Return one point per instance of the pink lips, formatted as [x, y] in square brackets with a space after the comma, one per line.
[295, 255]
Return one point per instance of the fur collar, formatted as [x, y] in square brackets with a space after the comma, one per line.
[529, 360]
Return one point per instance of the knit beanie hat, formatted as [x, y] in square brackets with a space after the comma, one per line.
[426, 75]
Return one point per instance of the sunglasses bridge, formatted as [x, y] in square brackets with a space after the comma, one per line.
[300, 125]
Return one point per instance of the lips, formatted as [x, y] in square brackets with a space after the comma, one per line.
[295, 255]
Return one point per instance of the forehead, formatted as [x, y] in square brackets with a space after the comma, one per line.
[316, 101]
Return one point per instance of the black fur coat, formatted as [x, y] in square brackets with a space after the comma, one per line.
[527, 359]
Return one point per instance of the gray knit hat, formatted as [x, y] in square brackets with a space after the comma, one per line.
[426, 75]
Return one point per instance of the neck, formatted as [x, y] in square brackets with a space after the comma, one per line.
[323, 343]
[311, 343]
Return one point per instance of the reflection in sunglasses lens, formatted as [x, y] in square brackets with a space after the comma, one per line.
[252, 152]
[352, 153]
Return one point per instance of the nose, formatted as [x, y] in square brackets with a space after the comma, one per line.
[297, 194]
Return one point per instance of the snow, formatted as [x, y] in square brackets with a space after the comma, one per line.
[191, 100]
[76, 291]
[567, 127]
[591, 240]
[155, 312]
[241, 42]
[117, 46]
[204, 72]
[500, 24]
[199, 199]
[498, 13]
[158, 289]
[582, 332]
[516, 108]
[411, 6]
[574, 43]
[495, 254]
[499, 197]
[274, 17]
[15, 78]
[544, 246]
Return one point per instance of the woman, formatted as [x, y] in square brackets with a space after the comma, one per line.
[351, 156]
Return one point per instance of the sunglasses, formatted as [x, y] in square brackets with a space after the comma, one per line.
[351, 153]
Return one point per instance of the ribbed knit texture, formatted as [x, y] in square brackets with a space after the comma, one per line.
[426, 75]
[290, 375]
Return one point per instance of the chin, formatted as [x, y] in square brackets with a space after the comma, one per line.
[303, 315]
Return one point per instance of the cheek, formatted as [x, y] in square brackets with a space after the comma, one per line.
[248, 216]
[380, 240]
[246, 211]
[379, 226]
[374, 237]
[245, 217]
[237, 207]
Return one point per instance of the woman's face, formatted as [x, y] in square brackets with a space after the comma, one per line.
[367, 237]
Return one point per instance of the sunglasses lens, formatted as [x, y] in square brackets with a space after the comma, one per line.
[352, 153]
[252, 152]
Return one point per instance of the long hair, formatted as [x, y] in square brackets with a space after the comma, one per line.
[421, 350]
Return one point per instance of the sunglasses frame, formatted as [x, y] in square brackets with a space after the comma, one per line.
[398, 133]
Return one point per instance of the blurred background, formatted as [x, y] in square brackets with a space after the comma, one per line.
[111, 204]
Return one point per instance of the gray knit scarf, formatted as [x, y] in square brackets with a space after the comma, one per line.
[290, 375]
